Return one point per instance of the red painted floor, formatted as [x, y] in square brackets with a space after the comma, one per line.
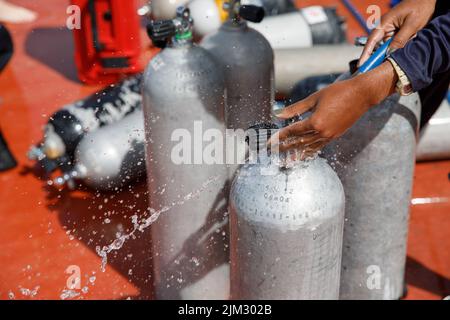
[44, 231]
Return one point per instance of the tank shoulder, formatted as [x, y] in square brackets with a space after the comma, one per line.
[299, 197]
[258, 36]
[227, 37]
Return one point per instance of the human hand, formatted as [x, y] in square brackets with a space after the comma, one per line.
[402, 23]
[335, 109]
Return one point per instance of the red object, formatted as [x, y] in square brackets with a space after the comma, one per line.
[107, 46]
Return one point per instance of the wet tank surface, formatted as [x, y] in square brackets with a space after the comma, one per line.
[48, 234]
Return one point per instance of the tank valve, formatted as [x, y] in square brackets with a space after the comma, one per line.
[252, 13]
[67, 179]
[145, 10]
[36, 153]
[259, 134]
[179, 28]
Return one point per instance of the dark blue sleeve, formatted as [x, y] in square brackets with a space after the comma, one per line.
[428, 54]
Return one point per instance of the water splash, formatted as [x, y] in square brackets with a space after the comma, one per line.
[69, 294]
[29, 292]
[141, 226]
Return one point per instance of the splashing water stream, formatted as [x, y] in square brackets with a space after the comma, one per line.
[155, 214]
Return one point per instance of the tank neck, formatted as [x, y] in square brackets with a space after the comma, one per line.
[235, 25]
[282, 160]
[259, 153]
[182, 40]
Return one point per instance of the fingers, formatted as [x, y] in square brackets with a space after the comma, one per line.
[406, 32]
[298, 142]
[294, 130]
[314, 148]
[375, 37]
[297, 108]
[302, 151]
[317, 145]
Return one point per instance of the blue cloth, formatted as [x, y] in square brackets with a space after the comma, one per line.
[428, 55]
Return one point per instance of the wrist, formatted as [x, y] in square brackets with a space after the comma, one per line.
[378, 84]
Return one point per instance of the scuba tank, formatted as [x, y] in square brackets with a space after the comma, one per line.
[303, 28]
[110, 157]
[247, 61]
[286, 228]
[310, 85]
[184, 96]
[67, 127]
[375, 161]
[294, 65]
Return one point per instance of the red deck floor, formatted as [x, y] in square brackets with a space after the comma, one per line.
[43, 231]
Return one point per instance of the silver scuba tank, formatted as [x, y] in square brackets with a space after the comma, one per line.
[247, 61]
[286, 230]
[310, 85]
[110, 157]
[184, 96]
[66, 127]
[303, 28]
[375, 162]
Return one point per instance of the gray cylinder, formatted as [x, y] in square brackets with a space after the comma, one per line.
[183, 84]
[375, 161]
[293, 65]
[111, 156]
[247, 61]
[286, 231]
[434, 142]
[67, 127]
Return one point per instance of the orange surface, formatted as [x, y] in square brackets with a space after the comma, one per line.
[43, 231]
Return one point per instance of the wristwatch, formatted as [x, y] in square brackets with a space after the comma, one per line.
[403, 86]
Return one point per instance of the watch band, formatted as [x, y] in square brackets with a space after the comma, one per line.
[403, 85]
